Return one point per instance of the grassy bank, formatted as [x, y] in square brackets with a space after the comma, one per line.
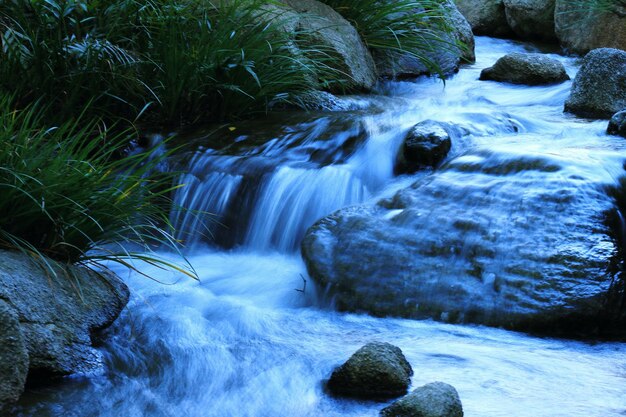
[77, 76]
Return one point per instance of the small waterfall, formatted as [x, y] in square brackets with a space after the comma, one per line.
[294, 198]
[205, 201]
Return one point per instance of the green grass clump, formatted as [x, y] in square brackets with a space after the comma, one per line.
[67, 196]
[601, 6]
[169, 61]
[400, 27]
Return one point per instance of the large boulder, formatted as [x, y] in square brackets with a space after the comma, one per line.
[339, 38]
[505, 240]
[599, 89]
[486, 17]
[376, 371]
[53, 314]
[617, 124]
[529, 69]
[13, 356]
[580, 28]
[448, 49]
[426, 145]
[531, 19]
[436, 399]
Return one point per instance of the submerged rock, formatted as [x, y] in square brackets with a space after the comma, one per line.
[376, 371]
[53, 317]
[617, 125]
[425, 145]
[436, 399]
[503, 240]
[531, 19]
[599, 89]
[449, 49]
[580, 28]
[486, 17]
[529, 69]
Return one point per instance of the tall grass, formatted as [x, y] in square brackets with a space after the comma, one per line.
[617, 7]
[67, 196]
[400, 27]
[170, 61]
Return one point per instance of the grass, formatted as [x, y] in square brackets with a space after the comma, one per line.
[400, 27]
[68, 197]
[166, 62]
[617, 7]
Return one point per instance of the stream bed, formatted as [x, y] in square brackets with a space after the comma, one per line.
[254, 337]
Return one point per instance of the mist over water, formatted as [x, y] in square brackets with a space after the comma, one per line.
[253, 338]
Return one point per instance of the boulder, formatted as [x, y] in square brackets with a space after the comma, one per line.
[599, 89]
[53, 315]
[425, 145]
[13, 356]
[448, 50]
[580, 28]
[486, 17]
[529, 69]
[376, 371]
[514, 241]
[329, 29]
[531, 19]
[617, 124]
[436, 399]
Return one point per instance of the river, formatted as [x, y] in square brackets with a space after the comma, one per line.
[254, 338]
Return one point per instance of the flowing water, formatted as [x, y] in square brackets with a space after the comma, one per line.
[253, 338]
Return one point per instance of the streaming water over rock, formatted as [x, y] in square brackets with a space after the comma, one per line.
[253, 337]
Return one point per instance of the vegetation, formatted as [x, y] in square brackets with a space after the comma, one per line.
[91, 68]
[409, 27]
[172, 61]
[74, 200]
[601, 6]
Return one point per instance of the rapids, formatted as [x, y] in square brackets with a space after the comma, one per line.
[254, 338]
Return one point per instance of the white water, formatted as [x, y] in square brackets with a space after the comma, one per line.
[245, 342]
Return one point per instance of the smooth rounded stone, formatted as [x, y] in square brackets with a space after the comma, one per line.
[329, 29]
[426, 145]
[58, 314]
[531, 19]
[375, 371]
[323, 101]
[580, 29]
[617, 124]
[480, 240]
[13, 357]
[529, 69]
[599, 89]
[446, 53]
[436, 399]
[486, 17]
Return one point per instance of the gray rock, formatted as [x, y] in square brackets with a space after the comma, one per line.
[599, 89]
[425, 145]
[376, 371]
[481, 240]
[529, 69]
[486, 17]
[323, 101]
[617, 125]
[446, 52]
[329, 29]
[580, 29]
[13, 357]
[531, 19]
[436, 399]
[58, 314]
